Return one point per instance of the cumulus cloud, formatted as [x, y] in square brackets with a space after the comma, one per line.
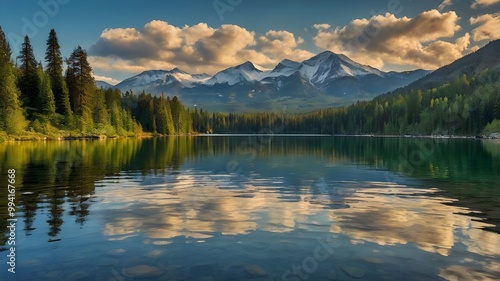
[484, 3]
[488, 27]
[445, 4]
[282, 44]
[406, 42]
[322, 26]
[197, 48]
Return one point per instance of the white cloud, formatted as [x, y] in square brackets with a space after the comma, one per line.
[197, 48]
[111, 63]
[445, 4]
[483, 3]
[322, 26]
[407, 42]
[282, 44]
[488, 29]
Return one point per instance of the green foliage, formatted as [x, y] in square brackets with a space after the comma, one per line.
[28, 80]
[53, 55]
[5, 51]
[12, 118]
[81, 84]
[161, 115]
[99, 111]
[42, 125]
[116, 118]
[496, 108]
[493, 127]
[463, 107]
[112, 97]
[180, 117]
[145, 112]
[45, 100]
[260, 122]
[46, 95]
[54, 62]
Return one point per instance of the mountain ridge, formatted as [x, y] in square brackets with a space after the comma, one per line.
[326, 79]
[470, 64]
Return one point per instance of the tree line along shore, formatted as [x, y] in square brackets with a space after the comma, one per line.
[43, 101]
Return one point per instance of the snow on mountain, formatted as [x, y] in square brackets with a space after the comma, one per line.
[318, 69]
[163, 77]
[328, 66]
[246, 72]
[321, 71]
[201, 77]
[285, 68]
[320, 78]
[186, 79]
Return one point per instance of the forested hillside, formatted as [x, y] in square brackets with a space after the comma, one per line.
[464, 107]
[38, 100]
[471, 65]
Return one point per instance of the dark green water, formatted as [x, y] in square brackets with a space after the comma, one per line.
[253, 208]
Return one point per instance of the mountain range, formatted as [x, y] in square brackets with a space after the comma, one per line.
[325, 80]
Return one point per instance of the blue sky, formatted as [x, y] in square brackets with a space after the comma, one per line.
[124, 38]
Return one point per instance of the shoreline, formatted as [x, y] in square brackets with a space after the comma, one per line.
[492, 136]
[40, 137]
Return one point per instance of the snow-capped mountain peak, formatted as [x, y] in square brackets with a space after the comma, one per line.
[285, 68]
[165, 77]
[247, 65]
[326, 73]
[177, 70]
[245, 72]
[290, 63]
[328, 65]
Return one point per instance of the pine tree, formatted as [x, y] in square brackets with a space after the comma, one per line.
[163, 116]
[45, 100]
[145, 112]
[80, 82]
[5, 51]
[54, 62]
[11, 114]
[180, 116]
[28, 80]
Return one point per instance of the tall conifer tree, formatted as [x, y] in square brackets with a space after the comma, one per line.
[80, 82]
[28, 80]
[54, 70]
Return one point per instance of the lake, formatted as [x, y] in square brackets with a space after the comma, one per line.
[253, 208]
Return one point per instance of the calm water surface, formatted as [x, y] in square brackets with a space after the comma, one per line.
[253, 208]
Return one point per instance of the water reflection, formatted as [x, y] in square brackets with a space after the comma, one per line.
[265, 197]
[382, 213]
[51, 173]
